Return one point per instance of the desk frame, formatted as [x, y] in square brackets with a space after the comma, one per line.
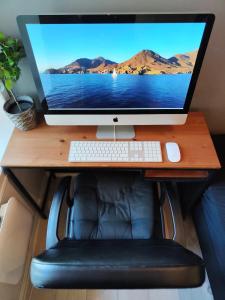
[25, 193]
[40, 209]
[46, 147]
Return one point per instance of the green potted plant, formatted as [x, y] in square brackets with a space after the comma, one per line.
[20, 110]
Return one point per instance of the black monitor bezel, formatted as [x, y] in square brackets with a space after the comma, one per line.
[116, 18]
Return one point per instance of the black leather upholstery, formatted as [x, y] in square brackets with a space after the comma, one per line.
[117, 264]
[108, 245]
[119, 206]
[210, 224]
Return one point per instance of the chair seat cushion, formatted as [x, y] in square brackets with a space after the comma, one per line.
[112, 205]
[117, 264]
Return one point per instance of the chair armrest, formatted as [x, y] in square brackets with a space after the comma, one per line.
[62, 192]
[177, 217]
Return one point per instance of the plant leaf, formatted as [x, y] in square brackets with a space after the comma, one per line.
[6, 73]
[11, 62]
[10, 42]
[2, 36]
[1, 75]
[10, 54]
[8, 84]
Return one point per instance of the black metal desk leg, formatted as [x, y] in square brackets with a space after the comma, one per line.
[22, 190]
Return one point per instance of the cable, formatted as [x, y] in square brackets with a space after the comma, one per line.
[173, 218]
[114, 132]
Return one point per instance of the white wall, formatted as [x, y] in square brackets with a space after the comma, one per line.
[6, 128]
[210, 91]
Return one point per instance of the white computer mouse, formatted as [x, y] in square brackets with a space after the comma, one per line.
[173, 152]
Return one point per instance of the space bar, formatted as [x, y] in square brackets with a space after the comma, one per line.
[89, 159]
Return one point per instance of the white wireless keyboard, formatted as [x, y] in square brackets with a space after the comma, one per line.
[100, 151]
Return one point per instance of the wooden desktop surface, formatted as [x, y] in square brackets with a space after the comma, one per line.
[48, 146]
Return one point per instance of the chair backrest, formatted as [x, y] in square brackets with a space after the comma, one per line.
[112, 206]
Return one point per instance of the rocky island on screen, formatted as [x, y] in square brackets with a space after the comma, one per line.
[144, 62]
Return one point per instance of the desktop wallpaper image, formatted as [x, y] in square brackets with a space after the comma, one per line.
[108, 66]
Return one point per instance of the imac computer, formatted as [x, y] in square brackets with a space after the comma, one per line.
[133, 69]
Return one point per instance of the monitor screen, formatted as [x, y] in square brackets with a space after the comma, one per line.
[115, 66]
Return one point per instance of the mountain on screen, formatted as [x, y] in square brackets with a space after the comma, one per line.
[144, 62]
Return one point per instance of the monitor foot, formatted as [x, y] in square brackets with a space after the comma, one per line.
[121, 132]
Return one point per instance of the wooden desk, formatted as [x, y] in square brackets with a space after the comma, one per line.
[48, 147]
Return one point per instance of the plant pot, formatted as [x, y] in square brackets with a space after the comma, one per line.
[25, 119]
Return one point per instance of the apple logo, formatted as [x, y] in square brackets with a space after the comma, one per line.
[115, 119]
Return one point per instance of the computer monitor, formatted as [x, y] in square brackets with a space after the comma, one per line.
[116, 69]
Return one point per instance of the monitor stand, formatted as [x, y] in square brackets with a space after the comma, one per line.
[120, 132]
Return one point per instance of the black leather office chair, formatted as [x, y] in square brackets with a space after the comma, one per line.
[109, 242]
